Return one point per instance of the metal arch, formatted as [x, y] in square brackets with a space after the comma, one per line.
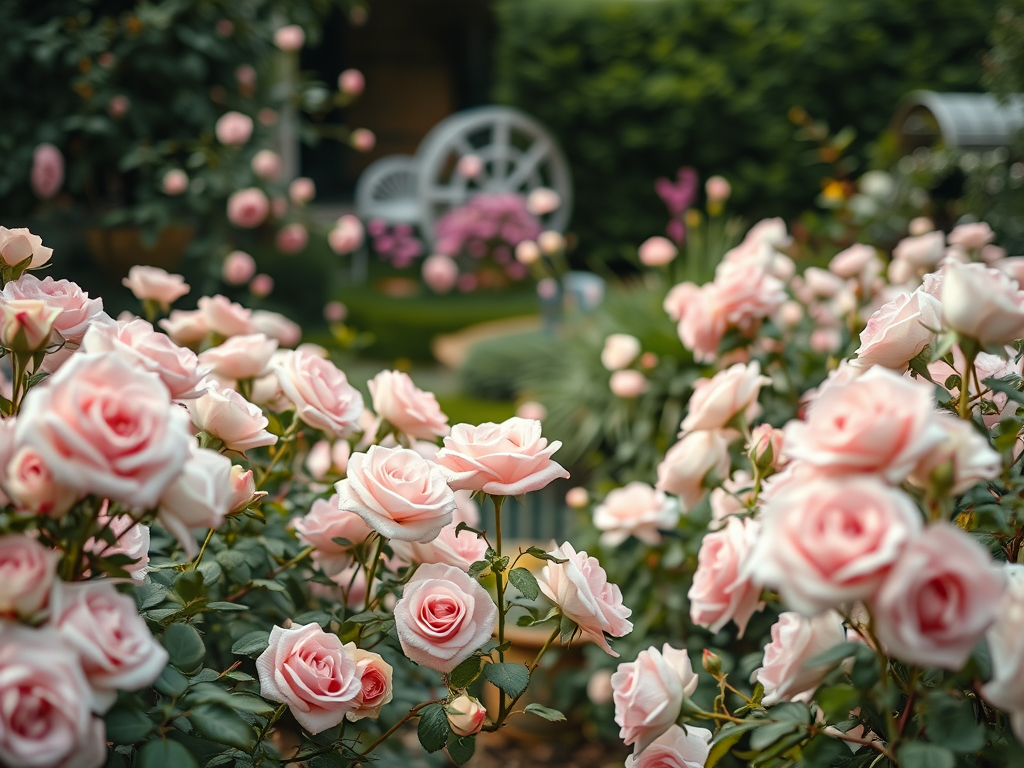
[387, 190]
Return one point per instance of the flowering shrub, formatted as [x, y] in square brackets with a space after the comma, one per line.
[181, 587]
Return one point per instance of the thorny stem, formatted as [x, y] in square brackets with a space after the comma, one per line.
[502, 716]
[199, 557]
[500, 590]
[282, 448]
[409, 716]
[370, 573]
[970, 351]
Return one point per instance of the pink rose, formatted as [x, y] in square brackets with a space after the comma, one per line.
[25, 324]
[351, 82]
[466, 715]
[30, 484]
[238, 269]
[292, 238]
[852, 262]
[118, 652]
[132, 540]
[657, 251]
[675, 748]
[450, 548]
[766, 444]
[346, 236]
[507, 459]
[443, 617]
[718, 189]
[309, 670]
[832, 540]
[973, 237]
[227, 415]
[321, 394]
[46, 719]
[324, 523]
[155, 284]
[922, 251]
[678, 299]
[233, 128]
[185, 328]
[649, 693]
[440, 273]
[966, 454]
[635, 510]
[248, 208]
[938, 600]
[27, 570]
[784, 672]
[688, 463]
[362, 140]
[581, 590]
[103, 426]
[267, 165]
[982, 303]
[301, 190]
[261, 285]
[374, 680]
[717, 400]
[406, 407]
[18, 245]
[899, 331]
[200, 497]
[702, 324]
[318, 460]
[398, 493]
[138, 343]
[290, 38]
[47, 175]
[225, 317]
[174, 182]
[1006, 644]
[628, 384]
[277, 326]
[620, 350]
[720, 592]
[243, 489]
[879, 422]
[240, 357]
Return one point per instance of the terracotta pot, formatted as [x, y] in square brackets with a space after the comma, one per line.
[118, 249]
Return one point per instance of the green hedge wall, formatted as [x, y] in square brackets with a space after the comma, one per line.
[635, 89]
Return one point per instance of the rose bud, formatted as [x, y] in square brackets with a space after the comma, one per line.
[466, 715]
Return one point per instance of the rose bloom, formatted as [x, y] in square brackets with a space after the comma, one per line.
[899, 330]
[185, 328]
[720, 592]
[46, 719]
[132, 540]
[26, 324]
[678, 299]
[47, 174]
[635, 510]
[440, 273]
[310, 671]
[406, 407]
[31, 486]
[620, 350]
[702, 323]
[784, 672]
[277, 326]
[105, 427]
[686, 465]
[200, 497]
[852, 262]
[346, 236]
[320, 392]
[443, 617]
[971, 236]
[261, 285]
[240, 357]
[657, 251]
[26, 573]
[248, 208]
[18, 245]
[243, 489]
[233, 128]
[290, 37]
[225, 317]
[628, 384]
[374, 680]
[879, 422]
[765, 437]
[324, 523]
[398, 493]
[466, 715]
[266, 164]
[291, 238]
[460, 549]
[301, 190]
[717, 400]
[227, 415]
[982, 303]
[136, 342]
[1006, 644]
[541, 201]
[507, 459]
[675, 748]
[580, 588]
[318, 460]
[238, 268]
[922, 251]
[351, 82]
[117, 650]
[174, 182]
[966, 454]
[155, 284]
[649, 692]
[831, 540]
[527, 252]
[363, 140]
[938, 600]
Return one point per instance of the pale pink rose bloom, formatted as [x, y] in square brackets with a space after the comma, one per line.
[620, 350]
[938, 600]
[291, 238]
[341, 452]
[721, 592]
[920, 225]
[577, 498]
[187, 328]
[335, 312]
[26, 324]
[531, 409]
[443, 617]
[374, 680]
[718, 189]
[318, 460]
[46, 719]
[117, 650]
[628, 384]
[921, 252]
[201, 496]
[137, 343]
[324, 523]
[899, 331]
[240, 357]
[1006, 645]
[966, 454]
[973, 237]
[657, 251]
[351, 82]
[702, 324]
[460, 549]
[902, 272]
[832, 540]
[746, 294]
[470, 166]
[47, 175]
[993, 255]
[301, 190]
[688, 462]
[466, 715]
[261, 285]
[677, 300]
[853, 261]
[320, 392]
[542, 201]
[155, 284]
[290, 38]
[507, 459]
[880, 422]
[277, 326]
[717, 400]
[27, 571]
[103, 426]
[17, 245]
[398, 493]
[649, 693]
[440, 273]
[30, 484]
[233, 128]
[310, 671]
[225, 317]
[347, 235]
[266, 164]
[599, 687]
[243, 489]
[238, 268]
[227, 415]
[132, 541]
[580, 588]
[982, 303]
[248, 208]
[822, 283]
[675, 748]
[406, 407]
[174, 182]
[363, 140]
[826, 341]
[635, 510]
[784, 672]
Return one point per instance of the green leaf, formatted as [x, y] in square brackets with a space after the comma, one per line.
[726, 738]
[164, 753]
[433, 728]
[866, 670]
[525, 582]
[189, 585]
[510, 677]
[250, 702]
[171, 682]
[918, 754]
[540, 554]
[833, 655]
[951, 723]
[126, 725]
[465, 673]
[568, 629]
[224, 726]
[546, 712]
[767, 735]
[477, 568]
[150, 594]
[185, 647]
[791, 712]
[463, 527]
[251, 644]
[837, 701]
[460, 748]
[220, 605]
